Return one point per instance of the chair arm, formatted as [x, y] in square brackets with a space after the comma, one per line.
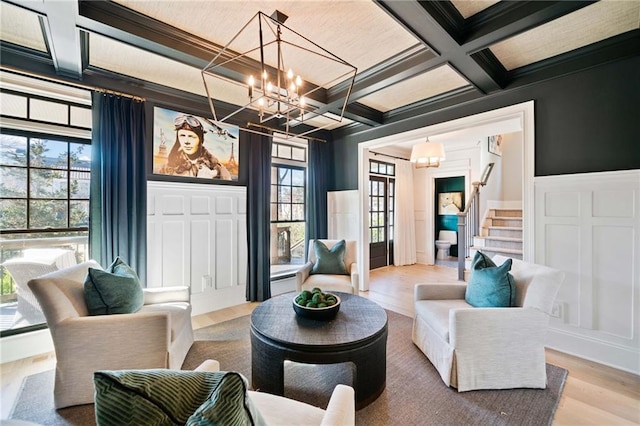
[443, 291]
[302, 274]
[341, 409]
[137, 335]
[355, 277]
[499, 328]
[166, 294]
[208, 365]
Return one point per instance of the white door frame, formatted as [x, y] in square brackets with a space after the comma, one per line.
[523, 111]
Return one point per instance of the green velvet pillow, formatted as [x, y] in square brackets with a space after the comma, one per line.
[228, 404]
[329, 261]
[490, 286]
[114, 291]
[170, 397]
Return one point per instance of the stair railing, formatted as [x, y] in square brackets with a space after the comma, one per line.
[469, 221]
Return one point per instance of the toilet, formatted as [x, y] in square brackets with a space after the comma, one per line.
[444, 242]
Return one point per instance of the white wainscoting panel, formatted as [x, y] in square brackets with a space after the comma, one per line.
[588, 225]
[342, 215]
[197, 237]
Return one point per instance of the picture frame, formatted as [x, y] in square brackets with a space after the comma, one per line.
[178, 154]
[495, 145]
[449, 203]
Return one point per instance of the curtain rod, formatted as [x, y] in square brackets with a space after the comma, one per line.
[113, 92]
[387, 155]
[250, 124]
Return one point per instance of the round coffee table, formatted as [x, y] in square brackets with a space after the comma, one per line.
[357, 334]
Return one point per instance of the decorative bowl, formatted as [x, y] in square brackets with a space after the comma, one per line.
[326, 313]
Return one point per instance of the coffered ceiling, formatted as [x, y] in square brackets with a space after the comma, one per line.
[412, 57]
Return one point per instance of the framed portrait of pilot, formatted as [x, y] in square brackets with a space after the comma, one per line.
[195, 147]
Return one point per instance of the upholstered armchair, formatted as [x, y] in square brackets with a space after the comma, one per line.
[488, 348]
[159, 335]
[207, 396]
[348, 283]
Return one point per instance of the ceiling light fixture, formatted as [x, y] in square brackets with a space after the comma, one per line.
[279, 77]
[427, 154]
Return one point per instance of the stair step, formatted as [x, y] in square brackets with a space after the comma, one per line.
[506, 218]
[498, 250]
[506, 228]
[498, 238]
[508, 212]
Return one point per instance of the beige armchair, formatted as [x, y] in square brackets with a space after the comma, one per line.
[345, 283]
[488, 348]
[157, 336]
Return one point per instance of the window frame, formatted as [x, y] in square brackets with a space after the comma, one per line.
[29, 135]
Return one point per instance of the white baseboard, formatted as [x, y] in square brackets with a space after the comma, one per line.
[284, 285]
[25, 345]
[619, 357]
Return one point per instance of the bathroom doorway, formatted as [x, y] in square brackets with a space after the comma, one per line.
[449, 200]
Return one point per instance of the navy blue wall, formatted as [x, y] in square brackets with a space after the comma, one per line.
[584, 122]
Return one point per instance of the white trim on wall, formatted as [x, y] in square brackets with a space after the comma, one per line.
[588, 225]
[523, 112]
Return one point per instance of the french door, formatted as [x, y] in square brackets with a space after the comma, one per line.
[381, 200]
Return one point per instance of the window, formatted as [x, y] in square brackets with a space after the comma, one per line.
[44, 184]
[45, 161]
[288, 206]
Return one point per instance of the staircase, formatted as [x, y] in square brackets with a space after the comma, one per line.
[501, 233]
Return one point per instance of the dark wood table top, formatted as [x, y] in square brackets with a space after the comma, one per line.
[358, 319]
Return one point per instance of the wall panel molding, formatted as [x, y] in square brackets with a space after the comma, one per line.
[588, 225]
[197, 237]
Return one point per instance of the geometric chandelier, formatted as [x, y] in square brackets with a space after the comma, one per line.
[284, 75]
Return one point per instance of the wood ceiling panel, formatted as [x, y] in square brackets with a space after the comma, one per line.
[21, 27]
[589, 25]
[469, 8]
[127, 60]
[432, 83]
[358, 32]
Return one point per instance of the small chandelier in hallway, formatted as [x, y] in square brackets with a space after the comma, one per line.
[427, 154]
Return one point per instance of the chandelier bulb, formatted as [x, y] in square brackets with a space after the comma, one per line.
[290, 74]
[251, 83]
[269, 86]
[302, 101]
[298, 81]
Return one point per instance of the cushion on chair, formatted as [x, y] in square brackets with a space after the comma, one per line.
[329, 261]
[114, 291]
[172, 397]
[435, 313]
[490, 286]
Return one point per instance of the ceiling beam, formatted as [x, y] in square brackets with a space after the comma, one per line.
[507, 19]
[62, 38]
[416, 18]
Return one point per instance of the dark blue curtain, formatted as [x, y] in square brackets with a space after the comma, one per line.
[319, 175]
[258, 163]
[118, 200]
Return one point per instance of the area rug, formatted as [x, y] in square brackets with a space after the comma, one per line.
[414, 394]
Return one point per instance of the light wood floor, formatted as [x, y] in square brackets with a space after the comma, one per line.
[593, 395]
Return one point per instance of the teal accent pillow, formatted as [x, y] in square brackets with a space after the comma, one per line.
[490, 286]
[170, 397]
[114, 291]
[329, 261]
